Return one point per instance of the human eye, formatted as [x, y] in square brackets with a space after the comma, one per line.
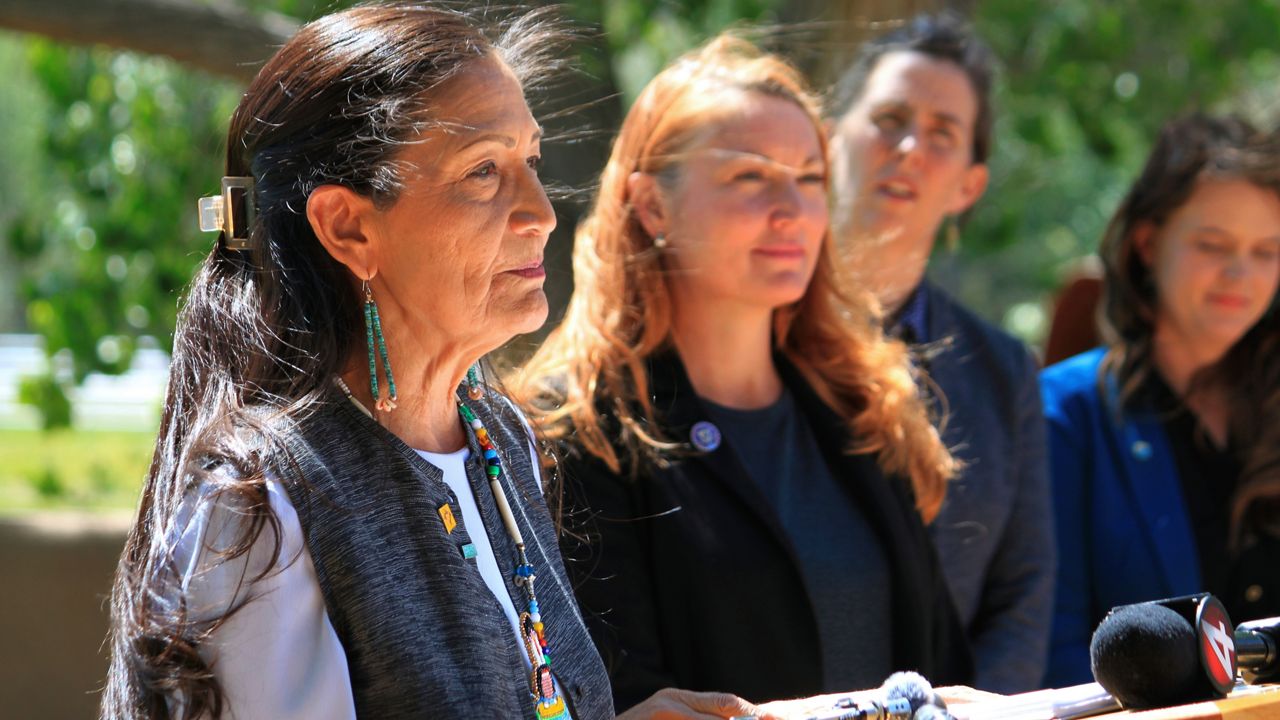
[943, 137]
[889, 120]
[1211, 245]
[534, 162]
[1267, 252]
[484, 170]
[813, 178]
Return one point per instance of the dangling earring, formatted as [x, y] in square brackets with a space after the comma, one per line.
[660, 241]
[951, 234]
[373, 332]
[475, 390]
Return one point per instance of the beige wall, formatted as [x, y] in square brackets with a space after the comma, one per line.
[55, 579]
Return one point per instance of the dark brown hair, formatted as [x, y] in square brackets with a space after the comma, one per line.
[267, 328]
[942, 37]
[1188, 151]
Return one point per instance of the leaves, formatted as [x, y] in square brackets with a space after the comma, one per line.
[128, 143]
[1084, 88]
[106, 152]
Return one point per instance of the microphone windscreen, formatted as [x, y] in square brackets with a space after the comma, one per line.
[932, 712]
[1146, 656]
[913, 688]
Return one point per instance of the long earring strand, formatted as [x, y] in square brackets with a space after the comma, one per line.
[374, 338]
[475, 390]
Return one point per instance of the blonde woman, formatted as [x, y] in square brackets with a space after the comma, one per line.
[745, 454]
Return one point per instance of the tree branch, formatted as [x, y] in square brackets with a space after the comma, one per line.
[217, 36]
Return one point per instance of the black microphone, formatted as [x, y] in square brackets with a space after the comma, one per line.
[1258, 650]
[1179, 650]
[1145, 656]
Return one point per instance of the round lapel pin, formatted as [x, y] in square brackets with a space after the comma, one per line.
[705, 436]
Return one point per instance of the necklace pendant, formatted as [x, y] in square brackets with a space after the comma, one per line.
[552, 709]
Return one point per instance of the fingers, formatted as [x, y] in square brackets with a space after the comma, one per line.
[673, 704]
[720, 705]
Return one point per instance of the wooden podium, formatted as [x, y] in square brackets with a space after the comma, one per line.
[1249, 702]
[1246, 702]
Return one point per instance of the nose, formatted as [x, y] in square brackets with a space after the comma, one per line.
[787, 202]
[533, 214]
[1237, 266]
[908, 143]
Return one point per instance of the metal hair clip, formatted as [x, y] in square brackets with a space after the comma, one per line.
[230, 213]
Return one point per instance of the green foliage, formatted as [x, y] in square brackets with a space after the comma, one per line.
[642, 37]
[129, 142]
[46, 395]
[1084, 88]
[92, 469]
[48, 484]
[106, 152]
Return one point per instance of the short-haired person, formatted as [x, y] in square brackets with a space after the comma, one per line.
[321, 537]
[745, 453]
[1165, 442]
[910, 127]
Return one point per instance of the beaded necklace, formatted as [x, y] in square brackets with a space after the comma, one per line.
[548, 703]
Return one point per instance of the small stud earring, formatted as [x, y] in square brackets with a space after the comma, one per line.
[660, 240]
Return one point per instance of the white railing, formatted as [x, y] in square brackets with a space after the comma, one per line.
[129, 401]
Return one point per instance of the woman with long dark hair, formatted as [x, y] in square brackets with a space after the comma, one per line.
[335, 522]
[745, 453]
[1165, 442]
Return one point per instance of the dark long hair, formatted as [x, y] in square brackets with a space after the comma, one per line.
[1189, 150]
[265, 329]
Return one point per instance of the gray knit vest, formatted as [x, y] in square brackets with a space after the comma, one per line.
[424, 637]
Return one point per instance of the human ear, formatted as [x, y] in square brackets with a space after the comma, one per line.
[340, 218]
[1143, 239]
[648, 203]
[972, 185]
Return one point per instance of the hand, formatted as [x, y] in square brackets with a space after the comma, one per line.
[673, 704]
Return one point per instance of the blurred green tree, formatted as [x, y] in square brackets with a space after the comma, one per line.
[1084, 87]
[105, 238]
[99, 218]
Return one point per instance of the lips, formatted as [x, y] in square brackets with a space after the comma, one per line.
[897, 189]
[530, 270]
[1229, 300]
[787, 251]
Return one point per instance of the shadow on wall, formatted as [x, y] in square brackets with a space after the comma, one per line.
[57, 569]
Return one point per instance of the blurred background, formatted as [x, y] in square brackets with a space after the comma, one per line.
[112, 122]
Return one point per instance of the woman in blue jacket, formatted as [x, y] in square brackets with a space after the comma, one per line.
[1165, 443]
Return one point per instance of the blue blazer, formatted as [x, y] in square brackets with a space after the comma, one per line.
[994, 534]
[1122, 527]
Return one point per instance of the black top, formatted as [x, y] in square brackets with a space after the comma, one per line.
[841, 562]
[688, 579]
[1248, 582]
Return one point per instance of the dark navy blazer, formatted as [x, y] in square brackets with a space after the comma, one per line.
[994, 534]
[1123, 531]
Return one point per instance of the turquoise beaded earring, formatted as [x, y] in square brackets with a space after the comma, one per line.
[475, 390]
[373, 334]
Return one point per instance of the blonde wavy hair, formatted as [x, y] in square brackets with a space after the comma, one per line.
[591, 370]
